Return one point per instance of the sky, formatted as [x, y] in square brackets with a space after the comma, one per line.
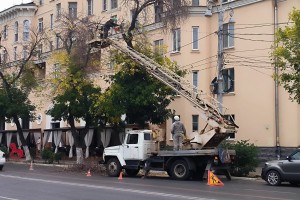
[4, 4]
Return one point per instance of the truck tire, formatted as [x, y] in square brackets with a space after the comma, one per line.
[180, 170]
[132, 172]
[113, 167]
[1, 167]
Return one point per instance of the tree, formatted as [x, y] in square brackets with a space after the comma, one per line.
[287, 56]
[136, 93]
[170, 13]
[18, 80]
[74, 93]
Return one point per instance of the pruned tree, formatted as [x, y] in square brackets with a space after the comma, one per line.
[73, 90]
[287, 56]
[170, 12]
[18, 79]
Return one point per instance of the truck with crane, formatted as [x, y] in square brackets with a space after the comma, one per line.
[200, 154]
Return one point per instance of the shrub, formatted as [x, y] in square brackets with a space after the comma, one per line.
[57, 157]
[246, 159]
[5, 151]
[47, 155]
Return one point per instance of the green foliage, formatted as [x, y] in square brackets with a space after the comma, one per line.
[287, 56]
[246, 159]
[5, 151]
[135, 92]
[50, 157]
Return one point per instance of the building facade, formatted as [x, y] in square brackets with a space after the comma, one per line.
[265, 114]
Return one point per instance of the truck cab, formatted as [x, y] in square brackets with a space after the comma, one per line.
[131, 154]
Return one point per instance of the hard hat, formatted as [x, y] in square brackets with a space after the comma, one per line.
[176, 118]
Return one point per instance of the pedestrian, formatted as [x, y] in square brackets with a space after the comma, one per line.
[178, 132]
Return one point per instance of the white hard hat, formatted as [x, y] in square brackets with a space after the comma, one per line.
[176, 118]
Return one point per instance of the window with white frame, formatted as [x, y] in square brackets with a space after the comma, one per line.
[158, 10]
[228, 80]
[26, 28]
[195, 123]
[230, 117]
[158, 46]
[73, 9]
[25, 53]
[195, 2]
[58, 10]
[40, 50]
[104, 5]
[41, 2]
[5, 56]
[195, 75]
[90, 7]
[5, 32]
[113, 4]
[41, 24]
[228, 35]
[15, 53]
[195, 37]
[51, 21]
[176, 40]
[16, 31]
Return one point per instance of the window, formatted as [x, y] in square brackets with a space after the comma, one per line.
[51, 21]
[16, 31]
[158, 10]
[228, 80]
[176, 3]
[57, 42]
[25, 53]
[104, 5]
[195, 123]
[56, 70]
[176, 40]
[15, 53]
[50, 46]
[73, 9]
[195, 37]
[41, 2]
[228, 35]
[296, 156]
[113, 4]
[230, 118]
[26, 28]
[133, 139]
[90, 7]
[41, 25]
[158, 46]
[58, 10]
[195, 2]
[5, 33]
[147, 136]
[5, 56]
[195, 80]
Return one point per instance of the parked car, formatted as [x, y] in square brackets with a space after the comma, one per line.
[288, 170]
[2, 160]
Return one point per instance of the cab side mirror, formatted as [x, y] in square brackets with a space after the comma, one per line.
[289, 158]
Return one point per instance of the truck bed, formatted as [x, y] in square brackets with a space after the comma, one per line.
[202, 152]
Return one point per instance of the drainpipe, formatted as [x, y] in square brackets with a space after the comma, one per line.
[278, 149]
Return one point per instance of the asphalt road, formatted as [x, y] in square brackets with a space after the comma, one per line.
[17, 182]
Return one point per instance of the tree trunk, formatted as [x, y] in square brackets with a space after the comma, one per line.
[22, 139]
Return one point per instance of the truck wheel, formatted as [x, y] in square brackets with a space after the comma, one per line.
[132, 172]
[180, 170]
[1, 167]
[113, 167]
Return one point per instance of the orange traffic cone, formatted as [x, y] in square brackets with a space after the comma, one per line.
[89, 173]
[31, 166]
[120, 176]
[213, 180]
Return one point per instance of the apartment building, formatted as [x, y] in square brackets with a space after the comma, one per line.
[264, 112]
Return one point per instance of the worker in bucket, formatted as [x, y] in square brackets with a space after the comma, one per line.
[178, 133]
[109, 24]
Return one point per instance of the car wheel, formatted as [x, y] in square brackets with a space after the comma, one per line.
[180, 170]
[132, 172]
[1, 167]
[273, 178]
[113, 167]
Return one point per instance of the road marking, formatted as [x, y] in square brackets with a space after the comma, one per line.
[1, 197]
[109, 188]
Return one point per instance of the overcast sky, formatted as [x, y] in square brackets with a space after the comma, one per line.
[4, 4]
